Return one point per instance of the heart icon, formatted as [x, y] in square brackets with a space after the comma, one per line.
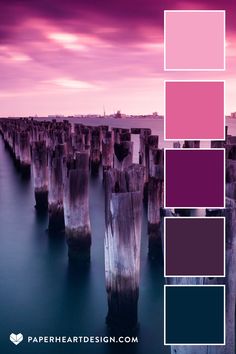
[16, 338]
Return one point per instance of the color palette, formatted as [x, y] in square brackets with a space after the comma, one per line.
[194, 110]
[194, 178]
[194, 247]
[194, 314]
[194, 40]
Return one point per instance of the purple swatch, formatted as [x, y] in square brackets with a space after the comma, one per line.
[194, 246]
[194, 178]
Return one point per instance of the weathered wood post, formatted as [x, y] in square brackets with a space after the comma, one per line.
[17, 147]
[78, 138]
[231, 148]
[78, 141]
[231, 171]
[176, 145]
[144, 134]
[123, 214]
[134, 176]
[151, 143]
[125, 136]
[230, 214]
[217, 144]
[195, 144]
[104, 129]
[123, 155]
[95, 156]
[231, 140]
[147, 141]
[87, 137]
[107, 151]
[155, 199]
[40, 173]
[221, 144]
[25, 154]
[135, 130]
[76, 206]
[116, 132]
[9, 129]
[55, 196]
[231, 178]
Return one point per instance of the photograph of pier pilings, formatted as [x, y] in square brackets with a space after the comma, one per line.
[63, 161]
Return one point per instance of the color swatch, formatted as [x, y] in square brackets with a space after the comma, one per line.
[194, 40]
[194, 178]
[194, 314]
[194, 246]
[194, 110]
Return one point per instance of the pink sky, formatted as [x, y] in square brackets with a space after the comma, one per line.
[74, 57]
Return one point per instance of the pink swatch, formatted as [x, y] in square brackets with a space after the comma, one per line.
[194, 110]
[194, 40]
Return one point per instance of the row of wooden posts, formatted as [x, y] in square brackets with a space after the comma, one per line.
[62, 159]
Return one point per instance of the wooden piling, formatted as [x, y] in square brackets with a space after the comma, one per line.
[217, 144]
[135, 130]
[176, 145]
[123, 214]
[231, 152]
[230, 171]
[16, 147]
[95, 156]
[25, 153]
[144, 134]
[191, 144]
[40, 173]
[107, 151]
[125, 136]
[78, 142]
[76, 206]
[116, 134]
[123, 155]
[55, 196]
[155, 199]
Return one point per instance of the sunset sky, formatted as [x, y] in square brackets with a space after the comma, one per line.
[71, 57]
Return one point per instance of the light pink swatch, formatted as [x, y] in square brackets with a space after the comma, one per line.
[194, 40]
[194, 110]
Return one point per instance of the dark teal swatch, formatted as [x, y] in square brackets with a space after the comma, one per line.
[194, 314]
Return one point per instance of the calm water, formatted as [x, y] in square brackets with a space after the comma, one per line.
[41, 295]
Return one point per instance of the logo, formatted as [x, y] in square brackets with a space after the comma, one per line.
[16, 338]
